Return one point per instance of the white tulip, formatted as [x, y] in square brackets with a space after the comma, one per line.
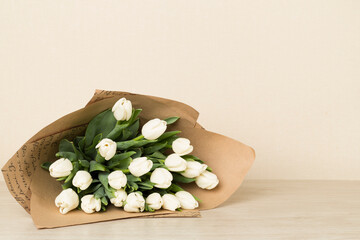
[90, 204]
[187, 200]
[140, 166]
[82, 180]
[153, 129]
[170, 202]
[182, 146]
[161, 177]
[60, 168]
[122, 109]
[154, 201]
[67, 200]
[193, 169]
[175, 163]
[119, 199]
[134, 203]
[207, 180]
[117, 179]
[107, 148]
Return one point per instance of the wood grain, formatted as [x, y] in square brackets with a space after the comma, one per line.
[258, 210]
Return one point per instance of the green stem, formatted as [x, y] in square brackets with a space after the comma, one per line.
[138, 138]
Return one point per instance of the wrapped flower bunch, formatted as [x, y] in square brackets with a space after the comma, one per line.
[132, 167]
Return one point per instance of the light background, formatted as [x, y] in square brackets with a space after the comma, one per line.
[280, 76]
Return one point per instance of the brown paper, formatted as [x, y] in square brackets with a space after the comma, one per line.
[35, 190]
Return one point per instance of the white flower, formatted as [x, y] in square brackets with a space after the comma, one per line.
[170, 202]
[122, 109]
[154, 201]
[117, 179]
[67, 200]
[134, 203]
[140, 166]
[153, 129]
[193, 169]
[175, 163]
[182, 146]
[107, 148]
[60, 168]
[187, 200]
[161, 177]
[90, 204]
[82, 180]
[119, 199]
[207, 180]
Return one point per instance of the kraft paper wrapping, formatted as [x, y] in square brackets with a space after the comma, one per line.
[34, 189]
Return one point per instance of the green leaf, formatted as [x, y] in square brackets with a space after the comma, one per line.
[175, 188]
[156, 165]
[148, 209]
[69, 155]
[180, 178]
[132, 178]
[99, 158]
[137, 154]
[158, 154]
[95, 166]
[196, 198]
[132, 186]
[117, 130]
[84, 163]
[91, 150]
[104, 201]
[192, 158]
[102, 123]
[46, 165]
[66, 185]
[103, 177]
[133, 143]
[110, 193]
[99, 193]
[120, 159]
[171, 120]
[131, 131]
[147, 185]
[91, 189]
[168, 134]
[73, 172]
[66, 146]
[209, 169]
[154, 148]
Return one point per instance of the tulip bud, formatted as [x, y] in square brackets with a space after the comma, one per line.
[117, 179]
[207, 180]
[134, 203]
[175, 163]
[60, 168]
[153, 129]
[170, 202]
[154, 201]
[161, 177]
[193, 169]
[182, 146]
[107, 148]
[90, 204]
[82, 180]
[187, 200]
[122, 109]
[140, 166]
[119, 199]
[67, 200]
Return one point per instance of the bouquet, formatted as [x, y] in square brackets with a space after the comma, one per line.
[132, 167]
[97, 174]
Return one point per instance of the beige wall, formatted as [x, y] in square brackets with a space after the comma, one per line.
[281, 76]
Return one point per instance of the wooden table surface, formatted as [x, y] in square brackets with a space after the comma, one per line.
[260, 209]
